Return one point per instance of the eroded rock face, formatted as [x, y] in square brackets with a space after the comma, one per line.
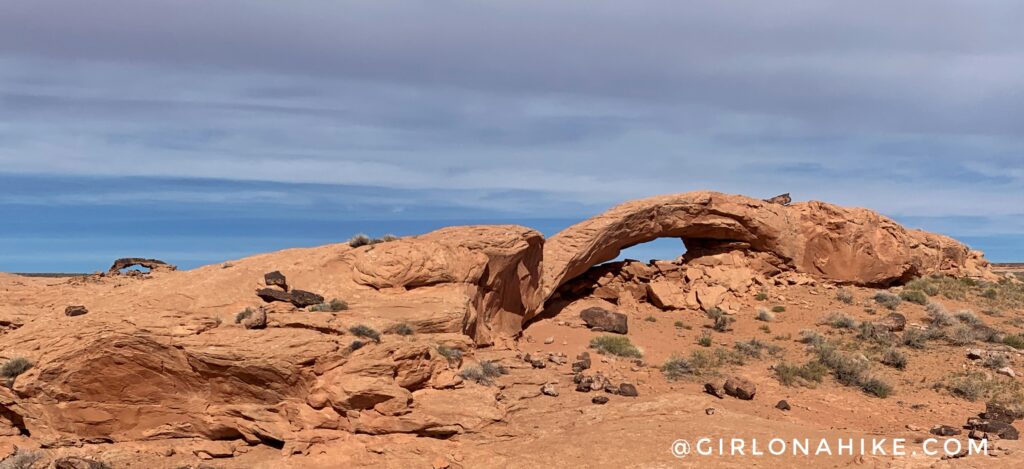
[825, 241]
[498, 265]
[151, 264]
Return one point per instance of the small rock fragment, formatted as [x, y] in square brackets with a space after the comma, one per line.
[549, 390]
[75, 310]
[600, 400]
[628, 390]
[783, 405]
[275, 278]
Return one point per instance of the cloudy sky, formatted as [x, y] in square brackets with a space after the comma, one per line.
[203, 130]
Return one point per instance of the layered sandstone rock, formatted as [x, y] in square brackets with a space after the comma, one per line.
[831, 243]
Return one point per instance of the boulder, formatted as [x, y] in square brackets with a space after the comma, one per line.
[1003, 430]
[270, 295]
[994, 411]
[75, 310]
[275, 279]
[602, 319]
[714, 390]
[549, 390]
[256, 320]
[152, 264]
[599, 400]
[628, 390]
[783, 405]
[740, 388]
[666, 294]
[302, 298]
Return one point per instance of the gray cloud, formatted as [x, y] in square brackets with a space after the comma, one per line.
[912, 107]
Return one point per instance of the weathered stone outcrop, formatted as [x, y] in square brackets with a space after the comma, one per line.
[832, 243]
[151, 264]
[499, 266]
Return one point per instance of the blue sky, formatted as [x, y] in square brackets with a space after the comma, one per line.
[201, 131]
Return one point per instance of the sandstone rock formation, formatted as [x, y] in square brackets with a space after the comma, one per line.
[151, 264]
[854, 246]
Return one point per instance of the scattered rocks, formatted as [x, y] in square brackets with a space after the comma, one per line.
[783, 405]
[975, 354]
[549, 340]
[549, 390]
[275, 278]
[994, 423]
[710, 411]
[1003, 430]
[945, 430]
[582, 362]
[538, 364]
[628, 390]
[600, 400]
[602, 319]
[75, 310]
[584, 384]
[740, 388]
[1001, 413]
[1006, 371]
[558, 359]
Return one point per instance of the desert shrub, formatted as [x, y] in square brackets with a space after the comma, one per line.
[705, 362]
[876, 387]
[617, 345]
[761, 296]
[847, 370]
[356, 345]
[765, 315]
[679, 324]
[914, 296]
[961, 335]
[388, 238]
[840, 321]
[872, 332]
[786, 336]
[938, 316]
[810, 337]
[22, 459]
[967, 317]
[721, 320]
[15, 367]
[804, 375]
[995, 361]
[995, 312]
[676, 367]
[1016, 341]
[990, 293]
[359, 240]
[764, 328]
[924, 285]
[918, 338]
[844, 296]
[753, 348]
[651, 319]
[888, 300]
[483, 373]
[970, 386]
[704, 340]
[365, 332]
[977, 385]
[453, 355]
[403, 329]
[778, 309]
[869, 310]
[332, 306]
[894, 358]
[243, 315]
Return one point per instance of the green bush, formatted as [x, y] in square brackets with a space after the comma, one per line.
[15, 367]
[778, 309]
[967, 317]
[617, 345]
[804, 375]
[894, 358]
[995, 361]
[403, 329]
[704, 340]
[840, 321]
[243, 315]
[365, 332]
[484, 373]
[761, 296]
[356, 345]
[876, 387]
[359, 240]
[765, 315]
[651, 319]
[676, 367]
[453, 355]
[753, 348]
[1015, 341]
[679, 324]
[925, 285]
[914, 296]
[888, 300]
